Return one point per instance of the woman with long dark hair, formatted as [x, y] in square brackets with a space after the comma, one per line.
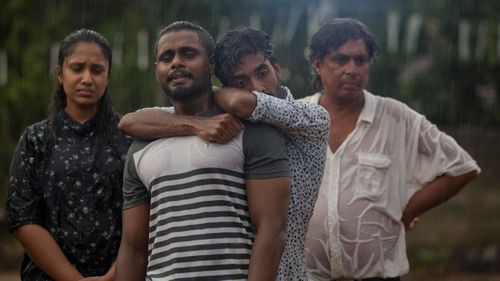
[64, 199]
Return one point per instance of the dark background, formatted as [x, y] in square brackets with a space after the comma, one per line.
[440, 57]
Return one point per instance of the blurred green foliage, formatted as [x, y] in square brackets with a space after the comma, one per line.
[432, 79]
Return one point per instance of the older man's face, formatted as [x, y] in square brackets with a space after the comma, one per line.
[344, 71]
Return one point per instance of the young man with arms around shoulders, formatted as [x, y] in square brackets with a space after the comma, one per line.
[386, 165]
[245, 60]
[209, 211]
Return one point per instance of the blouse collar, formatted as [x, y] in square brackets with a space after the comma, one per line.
[69, 122]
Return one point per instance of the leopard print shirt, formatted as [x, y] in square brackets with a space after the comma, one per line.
[306, 127]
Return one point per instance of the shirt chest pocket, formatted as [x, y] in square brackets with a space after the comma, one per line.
[370, 173]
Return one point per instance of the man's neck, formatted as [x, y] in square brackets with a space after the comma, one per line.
[196, 105]
[344, 114]
[341, 108]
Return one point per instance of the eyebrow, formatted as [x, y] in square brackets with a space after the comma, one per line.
[261, 66]
[181, 49]
[92, 64]
[347, 56]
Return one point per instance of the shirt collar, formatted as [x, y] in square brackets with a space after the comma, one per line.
[84, 128]
[368, 112]
[289, 96]
[212, 112]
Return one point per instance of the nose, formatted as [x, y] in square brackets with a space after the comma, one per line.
[351, 67]
[257, 85]
[177, 61]
[87, 77]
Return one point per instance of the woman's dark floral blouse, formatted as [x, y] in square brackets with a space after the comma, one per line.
[77, 197]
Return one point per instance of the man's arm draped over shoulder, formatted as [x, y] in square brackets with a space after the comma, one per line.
[306, 125]
[154, 123]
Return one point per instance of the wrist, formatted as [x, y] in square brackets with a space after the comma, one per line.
[195, 125]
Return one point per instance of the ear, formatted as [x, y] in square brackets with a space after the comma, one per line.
[211, 64]
[316, 66]
[109, 76]
[58, 73]
[155, 66]
[277, 68]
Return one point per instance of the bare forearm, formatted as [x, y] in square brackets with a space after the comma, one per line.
[155, 123]
[268, 204]
[266, 255]
[132, 258]
[46, 253]
[131, 264]
[434, 194]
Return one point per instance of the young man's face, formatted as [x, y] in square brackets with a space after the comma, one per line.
[344, 71]
[182, 65]
[256, 73]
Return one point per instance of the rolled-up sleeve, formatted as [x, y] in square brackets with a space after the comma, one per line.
[437, 154]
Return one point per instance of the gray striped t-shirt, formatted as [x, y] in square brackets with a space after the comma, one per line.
[199, 221]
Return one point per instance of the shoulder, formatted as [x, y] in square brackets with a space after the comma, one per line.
[264, 152]
[138, 145]
[38, 131]
[312, 98]
[260, 129]
[395, 108]
[260, 134]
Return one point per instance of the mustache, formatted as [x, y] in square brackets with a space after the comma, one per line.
[179, 74]
[350, 80]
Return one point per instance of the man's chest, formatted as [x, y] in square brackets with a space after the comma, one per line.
[179, 155]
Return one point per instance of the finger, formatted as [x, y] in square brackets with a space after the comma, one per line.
[230, 126]
[221, 136]
[235, 124]
[239, 123]
[413, 223]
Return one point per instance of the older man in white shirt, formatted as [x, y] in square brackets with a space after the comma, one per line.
[386, 165]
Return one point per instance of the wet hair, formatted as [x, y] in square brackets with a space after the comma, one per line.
[205, 38]
[235, 45]
[335, 33]
[106, 118]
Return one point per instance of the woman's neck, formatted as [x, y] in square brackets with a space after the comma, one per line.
[81, 115]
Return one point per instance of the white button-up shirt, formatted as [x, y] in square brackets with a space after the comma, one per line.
[356, 229]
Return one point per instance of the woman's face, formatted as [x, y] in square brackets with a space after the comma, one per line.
[84, 76]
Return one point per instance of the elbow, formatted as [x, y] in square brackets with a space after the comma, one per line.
[237, 102]
[280, 237]
[125, 123]
[275, 229]
[468, 177]
[237, 107]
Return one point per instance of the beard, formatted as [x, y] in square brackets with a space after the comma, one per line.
[280, 92]
[183, 93]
